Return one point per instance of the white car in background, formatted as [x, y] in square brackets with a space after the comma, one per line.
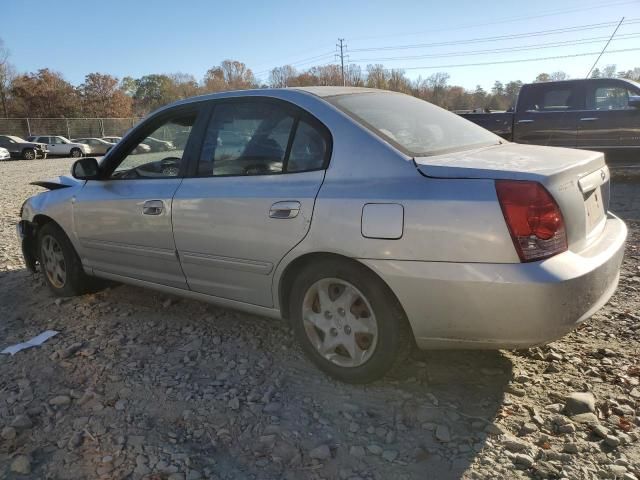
[98, 145]
[59, 145]
[4, 154]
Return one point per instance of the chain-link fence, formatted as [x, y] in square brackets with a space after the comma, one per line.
[67, 127]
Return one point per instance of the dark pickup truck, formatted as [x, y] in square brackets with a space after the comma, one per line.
[599, 114]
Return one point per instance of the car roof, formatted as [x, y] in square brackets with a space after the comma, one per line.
[287, 94]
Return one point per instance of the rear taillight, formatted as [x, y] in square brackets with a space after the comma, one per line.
[534, 219]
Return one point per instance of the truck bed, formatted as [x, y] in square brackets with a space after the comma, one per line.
[500, 123]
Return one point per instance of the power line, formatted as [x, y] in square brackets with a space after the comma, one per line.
[554, 31]
[302, 62]
[538, 46]
[503, 20]
[501, 62]
[605, 47]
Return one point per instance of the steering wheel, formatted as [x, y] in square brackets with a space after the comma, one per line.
[170, 166]
[256, 169]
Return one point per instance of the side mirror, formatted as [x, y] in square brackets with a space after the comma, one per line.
[85, 169]
[634, 101]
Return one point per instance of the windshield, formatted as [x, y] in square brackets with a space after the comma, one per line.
[414, 126]
[15, 139]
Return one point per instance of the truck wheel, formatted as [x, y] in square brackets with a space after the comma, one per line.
[76, 152]
[60, 264]
[348, 322]
[28, 154]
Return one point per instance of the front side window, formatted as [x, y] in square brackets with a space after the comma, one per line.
[143, 162]
[260, 138]
[609, 97]
[415, 127]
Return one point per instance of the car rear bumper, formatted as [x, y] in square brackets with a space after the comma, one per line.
[479, 305]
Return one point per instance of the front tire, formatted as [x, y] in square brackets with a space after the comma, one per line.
[348, 322]
[28, 154]
[60, 264]
[76, 152]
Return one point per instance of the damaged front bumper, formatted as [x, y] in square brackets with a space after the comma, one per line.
[27, 236]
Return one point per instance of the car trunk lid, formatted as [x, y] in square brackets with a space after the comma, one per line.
[577, 179]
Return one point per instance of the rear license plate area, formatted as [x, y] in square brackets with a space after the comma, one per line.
[594, 208]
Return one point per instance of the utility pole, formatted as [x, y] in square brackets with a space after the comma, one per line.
[341, 45]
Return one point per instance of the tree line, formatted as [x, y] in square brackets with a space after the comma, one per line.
[46, 93]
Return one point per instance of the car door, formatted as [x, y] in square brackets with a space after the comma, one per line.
[259, 171]
[608, 120]
[123, 221]
[547, 114]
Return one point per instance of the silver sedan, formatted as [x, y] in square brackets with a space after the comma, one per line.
[372, 221]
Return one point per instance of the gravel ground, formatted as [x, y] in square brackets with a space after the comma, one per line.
[141, 385]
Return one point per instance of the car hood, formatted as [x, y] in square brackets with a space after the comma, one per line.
[63, 181]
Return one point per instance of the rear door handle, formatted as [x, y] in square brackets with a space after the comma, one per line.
[153, 207]
[286, 209]
[589, 119]
[525, 121]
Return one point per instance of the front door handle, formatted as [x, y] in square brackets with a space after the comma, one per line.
[589, 119]
[287, 209]
[153, 207]
[525, 121]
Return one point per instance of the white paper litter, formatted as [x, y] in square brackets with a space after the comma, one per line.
[34, 342]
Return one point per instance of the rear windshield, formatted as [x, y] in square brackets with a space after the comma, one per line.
[414, 126]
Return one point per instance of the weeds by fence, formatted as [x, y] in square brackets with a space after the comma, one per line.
[67, 127]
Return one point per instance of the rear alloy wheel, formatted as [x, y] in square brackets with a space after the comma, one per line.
[76, 152]
[28, 154]
[339, 322]
[348, 322]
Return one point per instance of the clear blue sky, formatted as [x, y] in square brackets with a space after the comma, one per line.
[140, 37]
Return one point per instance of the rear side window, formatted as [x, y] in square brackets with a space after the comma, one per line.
[261, 138]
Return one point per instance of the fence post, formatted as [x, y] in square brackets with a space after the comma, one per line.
[102, 127]
[28, 127]
[68, 132]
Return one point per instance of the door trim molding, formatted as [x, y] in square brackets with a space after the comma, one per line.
[140, 250]
[253, 266]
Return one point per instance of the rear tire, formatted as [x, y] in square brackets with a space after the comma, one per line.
[60, 264]
[356, 334]
[28, 154]
[76, 152]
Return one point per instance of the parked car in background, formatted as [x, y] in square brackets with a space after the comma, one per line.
[98, 145]
[600, 114]
[159, 145]
[19, 148]
[370, 219]
[4, 154]
[142, 148]
[61, 146]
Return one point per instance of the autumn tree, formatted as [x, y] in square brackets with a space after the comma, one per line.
[102, 97]
[45, 93]
[184, 85]
[542, 77]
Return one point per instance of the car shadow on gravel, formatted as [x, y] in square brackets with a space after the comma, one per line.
[230, 392]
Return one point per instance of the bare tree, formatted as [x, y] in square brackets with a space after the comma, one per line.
[559, 75]
[7, 74]
[282, 76]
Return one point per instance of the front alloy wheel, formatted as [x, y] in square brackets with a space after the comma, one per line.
[339, 322]
[76, 153]
[53, 261]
